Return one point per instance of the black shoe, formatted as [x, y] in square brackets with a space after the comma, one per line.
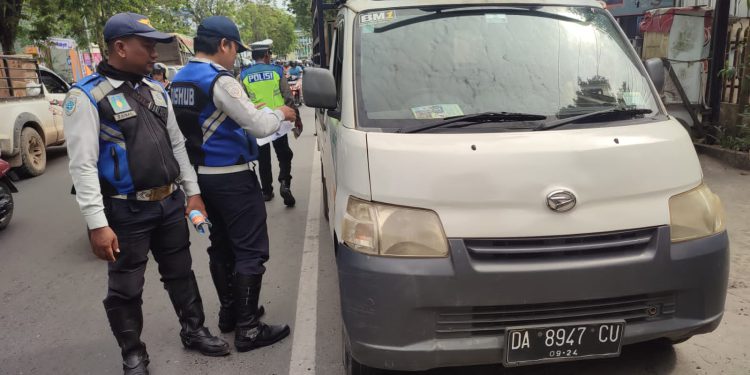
[189, 307]
[223, 277]
[250, 332]
[286, 193]
[136, 365]
[267, 196]
[126, 322]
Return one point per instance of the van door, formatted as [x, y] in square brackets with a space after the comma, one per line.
[329, 122]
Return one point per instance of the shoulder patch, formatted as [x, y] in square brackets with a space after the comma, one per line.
[233, 88]
[70, 103]
[158, 98]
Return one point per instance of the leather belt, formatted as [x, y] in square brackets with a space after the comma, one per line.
[202, 169]
[150, 195]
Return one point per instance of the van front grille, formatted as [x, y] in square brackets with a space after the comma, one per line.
[620, 242]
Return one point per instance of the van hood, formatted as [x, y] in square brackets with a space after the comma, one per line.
[485, 185]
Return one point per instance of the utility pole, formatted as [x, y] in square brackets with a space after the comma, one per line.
[719, 32]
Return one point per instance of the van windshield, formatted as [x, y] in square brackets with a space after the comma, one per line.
[416, 66]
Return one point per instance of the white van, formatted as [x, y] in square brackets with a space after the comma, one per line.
[504, 185]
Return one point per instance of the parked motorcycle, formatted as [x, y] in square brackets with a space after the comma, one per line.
[6, 196]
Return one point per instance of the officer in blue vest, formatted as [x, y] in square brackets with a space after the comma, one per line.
[128, 161]
[221, 126]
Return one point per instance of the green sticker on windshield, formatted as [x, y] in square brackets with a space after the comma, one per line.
[437, 111]
[376, 18]
[632, 98]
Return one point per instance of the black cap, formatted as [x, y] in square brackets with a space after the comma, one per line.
[221, 27]
[128, 24]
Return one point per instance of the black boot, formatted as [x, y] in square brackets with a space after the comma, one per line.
[189, 307]
[268, 195]
[251, 333]
[223, 276]
[286, 192]
[126, 323]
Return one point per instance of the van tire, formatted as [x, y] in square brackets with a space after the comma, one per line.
[33, 153]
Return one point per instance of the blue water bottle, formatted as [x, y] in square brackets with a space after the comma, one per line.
[199, 221]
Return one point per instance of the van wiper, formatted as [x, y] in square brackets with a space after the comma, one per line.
[607, 113]
[473, 12]
[476, 118]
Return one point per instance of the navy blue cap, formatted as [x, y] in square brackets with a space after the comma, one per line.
[132, 24]
[221, 27]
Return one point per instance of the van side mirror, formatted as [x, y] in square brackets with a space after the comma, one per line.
[319, 89]
[655, 69]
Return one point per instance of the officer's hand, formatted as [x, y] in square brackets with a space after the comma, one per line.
[297, 128]
[104, 243]
[195, 202]
[289, 113]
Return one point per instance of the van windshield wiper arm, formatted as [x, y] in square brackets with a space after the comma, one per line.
[476, 118]
[469, 11]
[612, 112]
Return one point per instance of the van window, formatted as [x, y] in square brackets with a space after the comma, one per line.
[419, 65]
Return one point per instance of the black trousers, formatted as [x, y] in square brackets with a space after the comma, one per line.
[237, 211]
[140, 226]
[284, 154]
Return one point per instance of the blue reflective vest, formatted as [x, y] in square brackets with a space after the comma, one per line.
[212, 138]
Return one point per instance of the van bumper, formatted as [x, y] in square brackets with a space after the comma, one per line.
[418, 314]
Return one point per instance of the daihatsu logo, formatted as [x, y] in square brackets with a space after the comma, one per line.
[561, 200]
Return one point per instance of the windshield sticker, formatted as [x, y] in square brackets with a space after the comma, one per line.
[495, 18]
[376, 18]
[437, 111]
[633, 98]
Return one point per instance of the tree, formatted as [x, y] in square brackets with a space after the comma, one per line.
[10, 16]
[262, 21]
[84, 20]
[303, 17]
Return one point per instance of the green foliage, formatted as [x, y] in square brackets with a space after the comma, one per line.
[301, 10]
[262, 21]
[83, 20]
[737, 138]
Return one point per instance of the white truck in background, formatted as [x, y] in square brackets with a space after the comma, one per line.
[31, 99]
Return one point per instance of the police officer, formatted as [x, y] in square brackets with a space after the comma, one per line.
[127, 157]
[221, 125]
[266, 84]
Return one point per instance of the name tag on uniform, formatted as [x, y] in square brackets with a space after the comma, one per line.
[124, 115]
[158, 98]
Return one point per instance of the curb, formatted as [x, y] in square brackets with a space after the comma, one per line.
[736, 159]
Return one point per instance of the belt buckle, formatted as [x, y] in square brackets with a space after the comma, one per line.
[144, 195]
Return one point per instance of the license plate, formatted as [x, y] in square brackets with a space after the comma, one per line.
[562, 342]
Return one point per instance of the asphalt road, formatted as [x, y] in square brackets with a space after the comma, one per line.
[52, 320]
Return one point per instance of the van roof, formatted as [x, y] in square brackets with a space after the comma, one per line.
[364, 5]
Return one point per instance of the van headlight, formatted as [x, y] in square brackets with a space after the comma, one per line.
[386, 230]
[695, 214]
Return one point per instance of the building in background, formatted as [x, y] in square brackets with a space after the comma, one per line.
[304, 45]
